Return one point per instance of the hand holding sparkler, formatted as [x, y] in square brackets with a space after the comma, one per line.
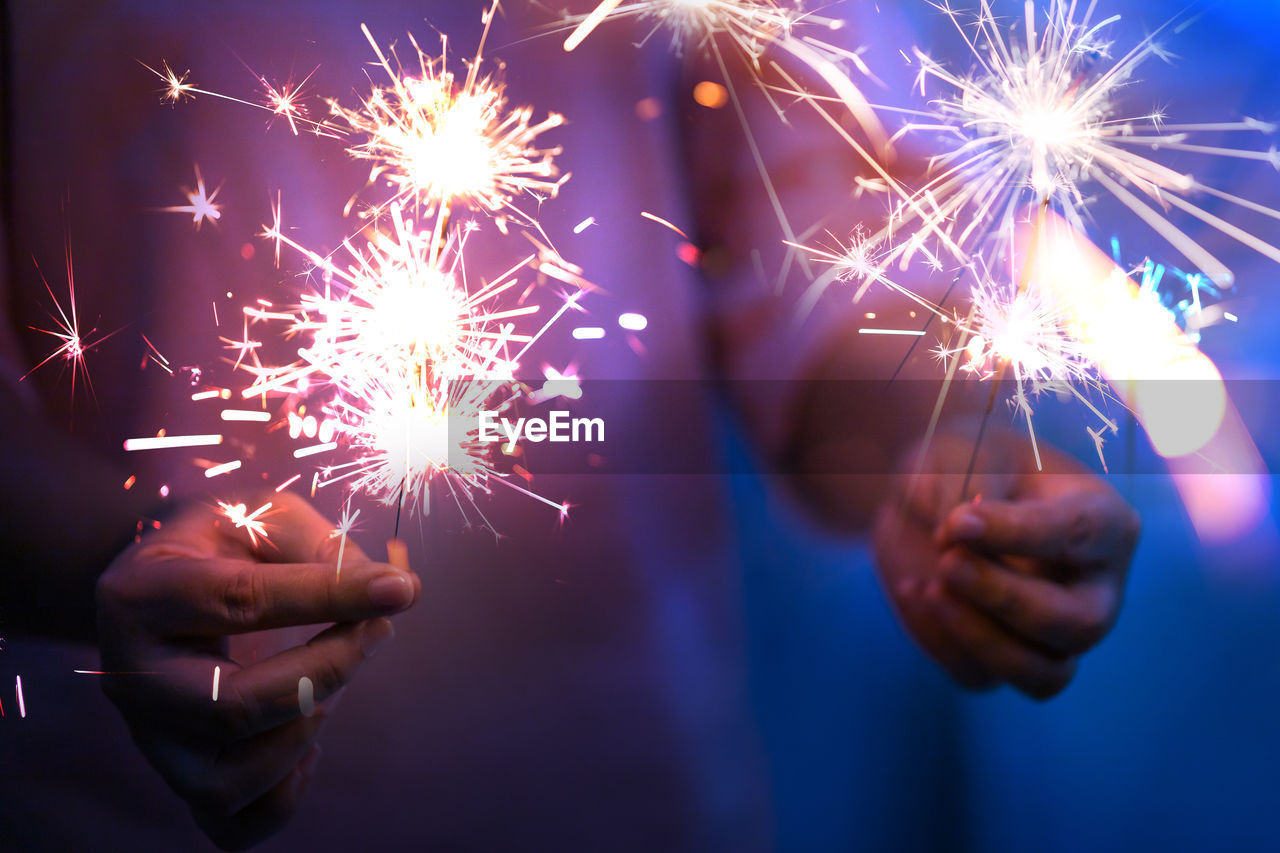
[238, 742]
[1012, 588]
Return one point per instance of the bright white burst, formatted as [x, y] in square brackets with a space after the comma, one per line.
[752, 24]
[441, 139]
[1039, 119]
[411, 352]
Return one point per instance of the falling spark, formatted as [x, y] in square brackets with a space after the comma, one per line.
[225, 468]
[200, 204]
[287, 483]
[167, 441]
[217, 675]
[346, 525]
[663, 222]
[74, 344]
[22, 703]
[241, 415]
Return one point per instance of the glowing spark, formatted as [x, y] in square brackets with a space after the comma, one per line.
[22, 703]
[285, 100]
[663, 222]
[176, 85]
[239, 515]
[225, 468]
[287, 483]
[217, 675]
[74, 344]
[346, 525]
[167, 441]
[200, 204]
[243, 415]
[903, 332]
[243, 347]
[588, 333]
[633, 322]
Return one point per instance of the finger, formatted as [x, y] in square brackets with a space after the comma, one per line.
[919, 606]
[1068, 620]
[186, 696]
[997, 653]
[271, 692]
[265, 816]
[904, 553]
[1084, 529]
[219, 596]
[298, 533]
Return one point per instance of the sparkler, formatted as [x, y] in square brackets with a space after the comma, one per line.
[1040, 118]
[399, 350]
[413, 354]
[441, 141]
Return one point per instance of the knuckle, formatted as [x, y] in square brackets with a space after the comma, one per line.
[1081, 530]
[236, 715]
[244, 596]
[330, 675]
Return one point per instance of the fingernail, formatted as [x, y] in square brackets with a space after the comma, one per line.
[968, 525]
[391, 590]
[375, 635]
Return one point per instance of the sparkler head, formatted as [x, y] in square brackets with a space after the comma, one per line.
[406, 436]
[1033, 102]
[1026, 330]
[1041, 114]
[440, 139]
[753, 23]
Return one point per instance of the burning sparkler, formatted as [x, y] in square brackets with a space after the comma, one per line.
[1040, 119]
[400, 350]
[440, 141]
